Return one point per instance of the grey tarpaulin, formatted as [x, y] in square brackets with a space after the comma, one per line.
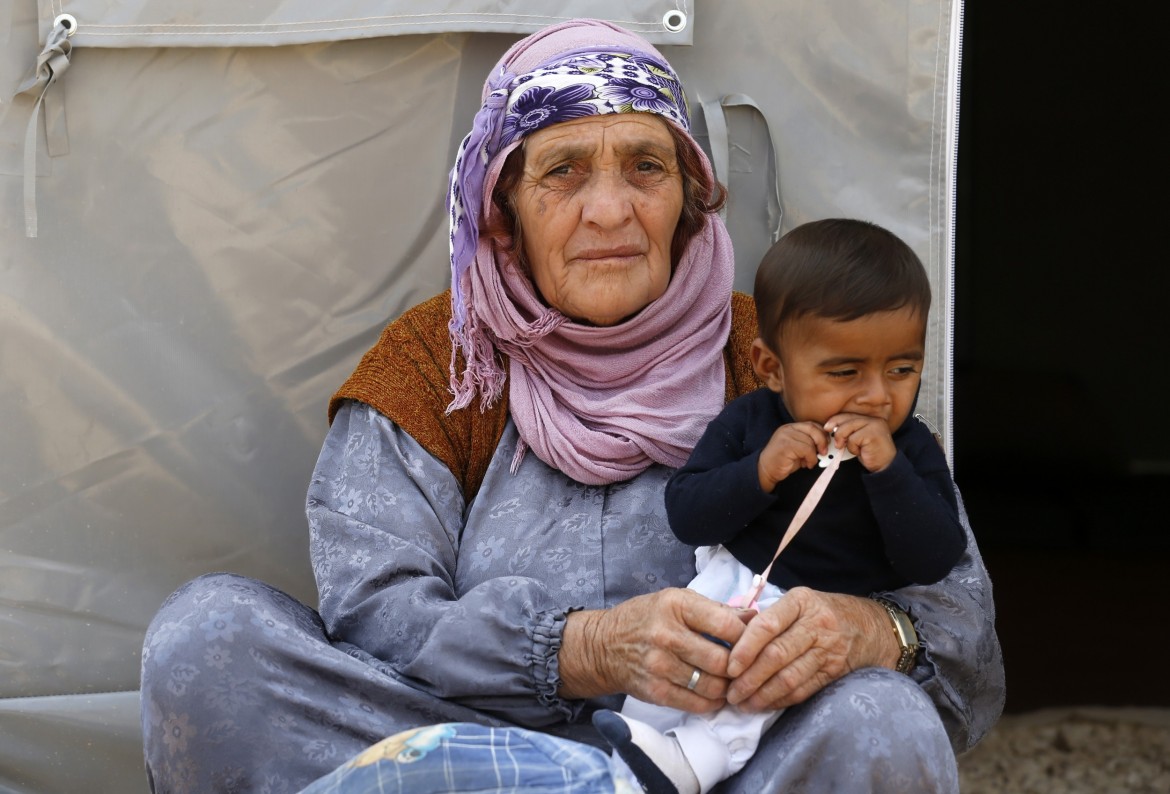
[233, 198]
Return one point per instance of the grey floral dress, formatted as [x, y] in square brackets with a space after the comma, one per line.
[432, 610]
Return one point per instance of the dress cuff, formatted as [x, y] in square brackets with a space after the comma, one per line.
[544, 662]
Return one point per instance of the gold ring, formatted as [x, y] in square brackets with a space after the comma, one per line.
[694, 680]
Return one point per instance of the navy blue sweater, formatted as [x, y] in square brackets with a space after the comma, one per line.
[871, 532]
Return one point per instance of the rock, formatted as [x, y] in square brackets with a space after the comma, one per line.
[1072, 751]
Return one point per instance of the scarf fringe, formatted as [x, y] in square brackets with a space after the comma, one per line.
[518, 458]
[482, 373]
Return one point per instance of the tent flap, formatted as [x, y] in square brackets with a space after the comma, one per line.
[227, 23]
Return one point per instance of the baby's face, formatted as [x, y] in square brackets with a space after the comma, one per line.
[869, 366]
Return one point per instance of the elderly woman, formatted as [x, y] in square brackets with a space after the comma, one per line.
[502, 558]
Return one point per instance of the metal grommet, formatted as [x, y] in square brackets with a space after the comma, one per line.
[67, 21]
[674, 21]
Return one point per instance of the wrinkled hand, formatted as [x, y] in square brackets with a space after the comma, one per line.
[649, 646]
[802, 643]
[867, 437]
[792, 446]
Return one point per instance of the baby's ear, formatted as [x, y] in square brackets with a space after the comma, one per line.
[767, 365]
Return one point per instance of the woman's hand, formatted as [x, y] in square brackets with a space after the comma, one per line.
[649, 647]
[802, 643]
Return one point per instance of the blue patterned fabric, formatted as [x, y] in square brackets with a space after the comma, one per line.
[463, 757]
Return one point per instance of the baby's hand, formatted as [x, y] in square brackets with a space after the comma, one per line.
[793, 446]
[867, 437]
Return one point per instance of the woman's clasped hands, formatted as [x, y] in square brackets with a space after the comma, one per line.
[650, 646]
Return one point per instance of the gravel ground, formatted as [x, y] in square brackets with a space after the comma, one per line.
[1072, 751]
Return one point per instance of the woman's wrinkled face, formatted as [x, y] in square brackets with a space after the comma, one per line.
[598, 204]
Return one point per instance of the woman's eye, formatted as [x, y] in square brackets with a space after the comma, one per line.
[565, 176]
[648, 166]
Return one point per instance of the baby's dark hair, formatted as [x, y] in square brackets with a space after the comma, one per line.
[838, 269]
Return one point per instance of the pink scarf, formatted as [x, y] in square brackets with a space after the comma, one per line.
[600, 404]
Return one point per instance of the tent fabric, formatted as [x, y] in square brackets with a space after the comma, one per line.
[225, 229]
[229, 23]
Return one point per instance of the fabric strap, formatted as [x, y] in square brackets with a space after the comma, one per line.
[830, 464]
[51, 64]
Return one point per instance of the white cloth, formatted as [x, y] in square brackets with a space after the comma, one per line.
[717, 745]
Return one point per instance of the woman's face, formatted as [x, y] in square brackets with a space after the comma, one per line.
[597, 204]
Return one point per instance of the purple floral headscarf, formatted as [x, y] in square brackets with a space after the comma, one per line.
[592, 85]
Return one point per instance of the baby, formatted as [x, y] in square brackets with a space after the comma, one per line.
[842, 307]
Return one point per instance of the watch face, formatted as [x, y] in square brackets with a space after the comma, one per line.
[903, 627]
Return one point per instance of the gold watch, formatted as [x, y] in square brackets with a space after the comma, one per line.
[904, 631]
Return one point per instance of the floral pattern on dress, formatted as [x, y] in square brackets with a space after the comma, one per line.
[246, 688]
